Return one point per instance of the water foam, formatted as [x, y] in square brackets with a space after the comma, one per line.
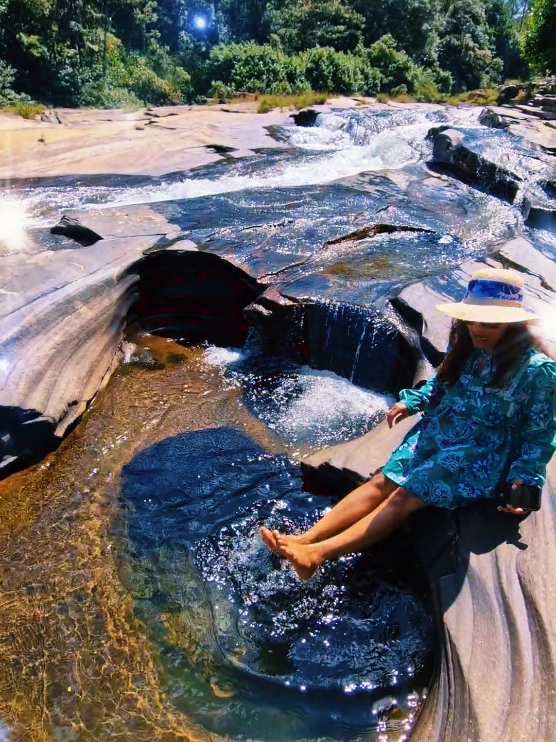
[341, 144]
[385, 151]
[300, 404]
[14, 222]
[222, 357]
[325, 408]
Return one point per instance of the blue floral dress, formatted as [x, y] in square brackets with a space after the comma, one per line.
[472, 437]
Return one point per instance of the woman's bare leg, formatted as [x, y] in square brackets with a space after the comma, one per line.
[349, 510]
[306, 558]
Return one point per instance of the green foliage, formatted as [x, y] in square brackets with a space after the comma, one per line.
[414, 24]
[396, 67]
[486, 97]
[505, 40]
[465, 47]
[290, 102]
[328, 23]
[540, 39]
[252, 68]
[7, 76]
[24, 109]
[338, 72]
[246, 20]
[131, 52]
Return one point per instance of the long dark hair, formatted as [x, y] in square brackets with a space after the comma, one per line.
[517, 339]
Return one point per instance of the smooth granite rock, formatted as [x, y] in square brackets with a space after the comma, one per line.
[63, 313]
[520, 254]
[494, 604]
[472, 167]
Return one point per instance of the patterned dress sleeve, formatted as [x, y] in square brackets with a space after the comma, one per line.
[424, 399]
[538, 431]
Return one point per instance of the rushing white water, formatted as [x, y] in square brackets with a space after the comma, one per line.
[339, 145]
[301, 404]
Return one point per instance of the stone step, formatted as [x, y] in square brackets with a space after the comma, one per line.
[546, 115]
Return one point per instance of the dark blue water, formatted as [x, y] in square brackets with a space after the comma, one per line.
[270, 657]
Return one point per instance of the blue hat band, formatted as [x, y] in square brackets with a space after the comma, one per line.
[480, 288]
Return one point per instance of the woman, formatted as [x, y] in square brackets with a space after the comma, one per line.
[489, 418]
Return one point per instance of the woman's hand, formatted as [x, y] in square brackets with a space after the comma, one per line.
[397, 413]
[508, 508]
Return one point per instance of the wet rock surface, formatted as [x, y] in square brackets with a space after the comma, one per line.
[472, 167]
[417, 302]
[341, 274]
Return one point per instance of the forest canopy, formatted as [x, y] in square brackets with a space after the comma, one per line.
[132, 52]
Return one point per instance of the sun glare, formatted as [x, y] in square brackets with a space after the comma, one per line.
[200, 22]
[14, 222]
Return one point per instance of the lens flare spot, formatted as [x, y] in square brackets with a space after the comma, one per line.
[14, 222]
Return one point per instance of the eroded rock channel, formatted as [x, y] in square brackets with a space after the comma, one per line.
[252, 313]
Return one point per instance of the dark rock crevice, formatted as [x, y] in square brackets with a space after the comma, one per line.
[193, 296]
[358, 343]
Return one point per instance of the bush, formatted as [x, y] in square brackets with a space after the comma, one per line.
[339, 72]
[426, 88]
[252, 68]
[395, 67]
[105, 95]
[134, 80]
[9, 99]
[24, 109]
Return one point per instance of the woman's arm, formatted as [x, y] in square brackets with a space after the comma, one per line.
[538, 429]
[424, 399]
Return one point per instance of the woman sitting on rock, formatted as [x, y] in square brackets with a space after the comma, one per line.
[489, 418]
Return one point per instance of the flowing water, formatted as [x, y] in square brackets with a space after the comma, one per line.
[136, 599]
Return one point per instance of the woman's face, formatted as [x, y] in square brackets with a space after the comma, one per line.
[486, 335]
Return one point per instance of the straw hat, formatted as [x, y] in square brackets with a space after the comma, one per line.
[493, 295]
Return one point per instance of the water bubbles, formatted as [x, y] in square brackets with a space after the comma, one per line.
[221, 357]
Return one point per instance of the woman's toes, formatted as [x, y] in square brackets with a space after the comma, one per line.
[269, 538]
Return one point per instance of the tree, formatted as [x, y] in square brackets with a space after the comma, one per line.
[311, 23]
[500, 19]
[465, 47]
[245, 20]
[414, 24]
[540, 39]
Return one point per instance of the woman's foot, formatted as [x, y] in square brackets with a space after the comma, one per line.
[304, 558]
[270, 538]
